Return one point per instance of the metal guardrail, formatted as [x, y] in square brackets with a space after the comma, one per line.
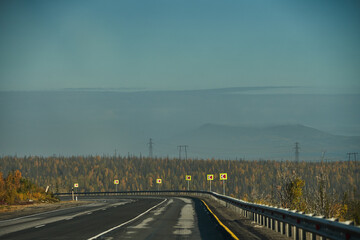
[296, 225]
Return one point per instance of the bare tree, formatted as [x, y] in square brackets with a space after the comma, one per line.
[290, 189]
[322, 200]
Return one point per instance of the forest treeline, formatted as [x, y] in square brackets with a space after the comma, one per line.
[329, 188]
[14, 189]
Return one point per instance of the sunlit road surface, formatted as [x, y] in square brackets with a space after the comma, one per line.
[120, 218]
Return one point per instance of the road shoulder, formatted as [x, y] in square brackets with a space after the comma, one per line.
[242, 227]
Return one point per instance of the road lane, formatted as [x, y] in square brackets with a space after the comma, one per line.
[79, 225]
[41, 219]
[176, 218]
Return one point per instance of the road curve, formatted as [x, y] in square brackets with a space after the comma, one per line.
[120, 218]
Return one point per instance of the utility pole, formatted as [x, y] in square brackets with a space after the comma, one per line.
[354, 154]
[185, 147]
[322, 157]
[179, 147]
[297, 148]
[150, 148]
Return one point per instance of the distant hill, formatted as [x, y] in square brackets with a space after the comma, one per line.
[271, 142]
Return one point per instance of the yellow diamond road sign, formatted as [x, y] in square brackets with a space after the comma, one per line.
[158, 180]
[116, 181]
[223, 176]
[76, 185]
[210, 177]
[188, 178]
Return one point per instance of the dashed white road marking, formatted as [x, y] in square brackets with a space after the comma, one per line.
[39, 226]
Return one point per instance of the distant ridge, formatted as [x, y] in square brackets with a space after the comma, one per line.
[272, 142]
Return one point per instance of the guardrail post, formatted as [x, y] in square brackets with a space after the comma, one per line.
[282, 228]
[260, 219]
[288, 230]
[313, 236]
[302, 234]
[264, 221]
[296, 233]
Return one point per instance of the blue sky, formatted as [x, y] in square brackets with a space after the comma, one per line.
[47, 45]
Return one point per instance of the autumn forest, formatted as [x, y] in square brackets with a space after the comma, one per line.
[326, 188]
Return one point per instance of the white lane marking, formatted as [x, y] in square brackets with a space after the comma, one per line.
[131, 220]
[186, 221]
[40, 226]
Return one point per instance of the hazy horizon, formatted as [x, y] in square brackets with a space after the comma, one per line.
[86, 77]
[98, 122]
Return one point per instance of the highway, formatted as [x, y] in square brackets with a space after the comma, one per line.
[120, 218]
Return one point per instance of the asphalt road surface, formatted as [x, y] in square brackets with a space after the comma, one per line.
[120, 218]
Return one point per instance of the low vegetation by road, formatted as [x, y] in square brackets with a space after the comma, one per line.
[17, 193]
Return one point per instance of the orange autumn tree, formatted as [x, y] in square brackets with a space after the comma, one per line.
[16, 189]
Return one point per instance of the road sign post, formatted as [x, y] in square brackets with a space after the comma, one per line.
[158, 181]
[76, 185]
[116, 182]
[223, 177]
[210, 177]
[188, 179]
